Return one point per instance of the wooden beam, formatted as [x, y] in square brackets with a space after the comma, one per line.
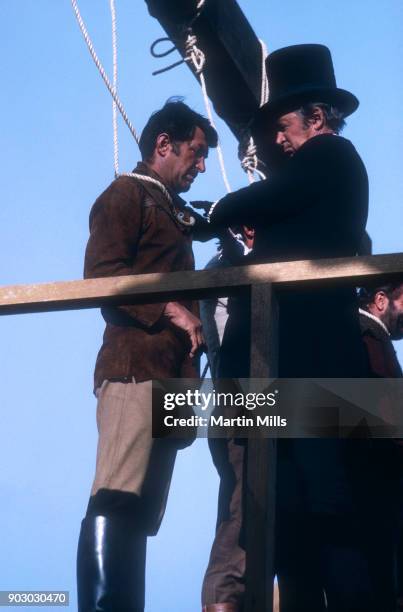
[264, 332]
[143, 288]
[261, 462]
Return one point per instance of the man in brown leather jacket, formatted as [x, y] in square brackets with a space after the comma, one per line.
[139, 225]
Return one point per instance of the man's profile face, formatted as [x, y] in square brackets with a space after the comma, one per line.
[186, 160]
[291, 133]
[393, 317]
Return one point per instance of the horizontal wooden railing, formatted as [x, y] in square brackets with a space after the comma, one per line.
[263, 281]
[92, 293]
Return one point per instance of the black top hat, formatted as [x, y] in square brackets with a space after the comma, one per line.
[302, 74]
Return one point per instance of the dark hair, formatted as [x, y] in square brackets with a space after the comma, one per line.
[392, 290]
[333, 117]
[178, 121]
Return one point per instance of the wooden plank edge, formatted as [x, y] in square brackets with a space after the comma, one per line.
[92, 293]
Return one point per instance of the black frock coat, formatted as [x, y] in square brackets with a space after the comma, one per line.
[314, 207]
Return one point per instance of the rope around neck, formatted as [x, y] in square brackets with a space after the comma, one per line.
[149, 179]
[180, 216]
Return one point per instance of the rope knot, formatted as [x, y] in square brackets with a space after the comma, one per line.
[249, 160]
[194, 54]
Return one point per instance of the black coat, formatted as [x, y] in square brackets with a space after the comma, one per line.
[314, 207]
[382, 355]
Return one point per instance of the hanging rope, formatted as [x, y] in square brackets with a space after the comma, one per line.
[193, 54]
[117, 104]
[248, 157]
[198, 59]
[250, 161]
[264, 91]
[102, 71]
[115, 89]
[141, 177]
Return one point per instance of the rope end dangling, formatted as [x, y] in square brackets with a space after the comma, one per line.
[158, 54]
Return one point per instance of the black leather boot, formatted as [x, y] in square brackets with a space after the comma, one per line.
[110, 566]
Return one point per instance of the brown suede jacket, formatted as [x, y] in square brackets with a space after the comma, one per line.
[133, 230]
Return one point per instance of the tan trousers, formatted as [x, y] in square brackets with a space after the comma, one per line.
[128, 458]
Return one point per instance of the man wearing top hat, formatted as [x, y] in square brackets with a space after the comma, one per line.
[313, 206]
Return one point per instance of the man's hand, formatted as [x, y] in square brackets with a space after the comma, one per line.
[183, 319]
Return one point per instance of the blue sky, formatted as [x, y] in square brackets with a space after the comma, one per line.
[56, 158]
